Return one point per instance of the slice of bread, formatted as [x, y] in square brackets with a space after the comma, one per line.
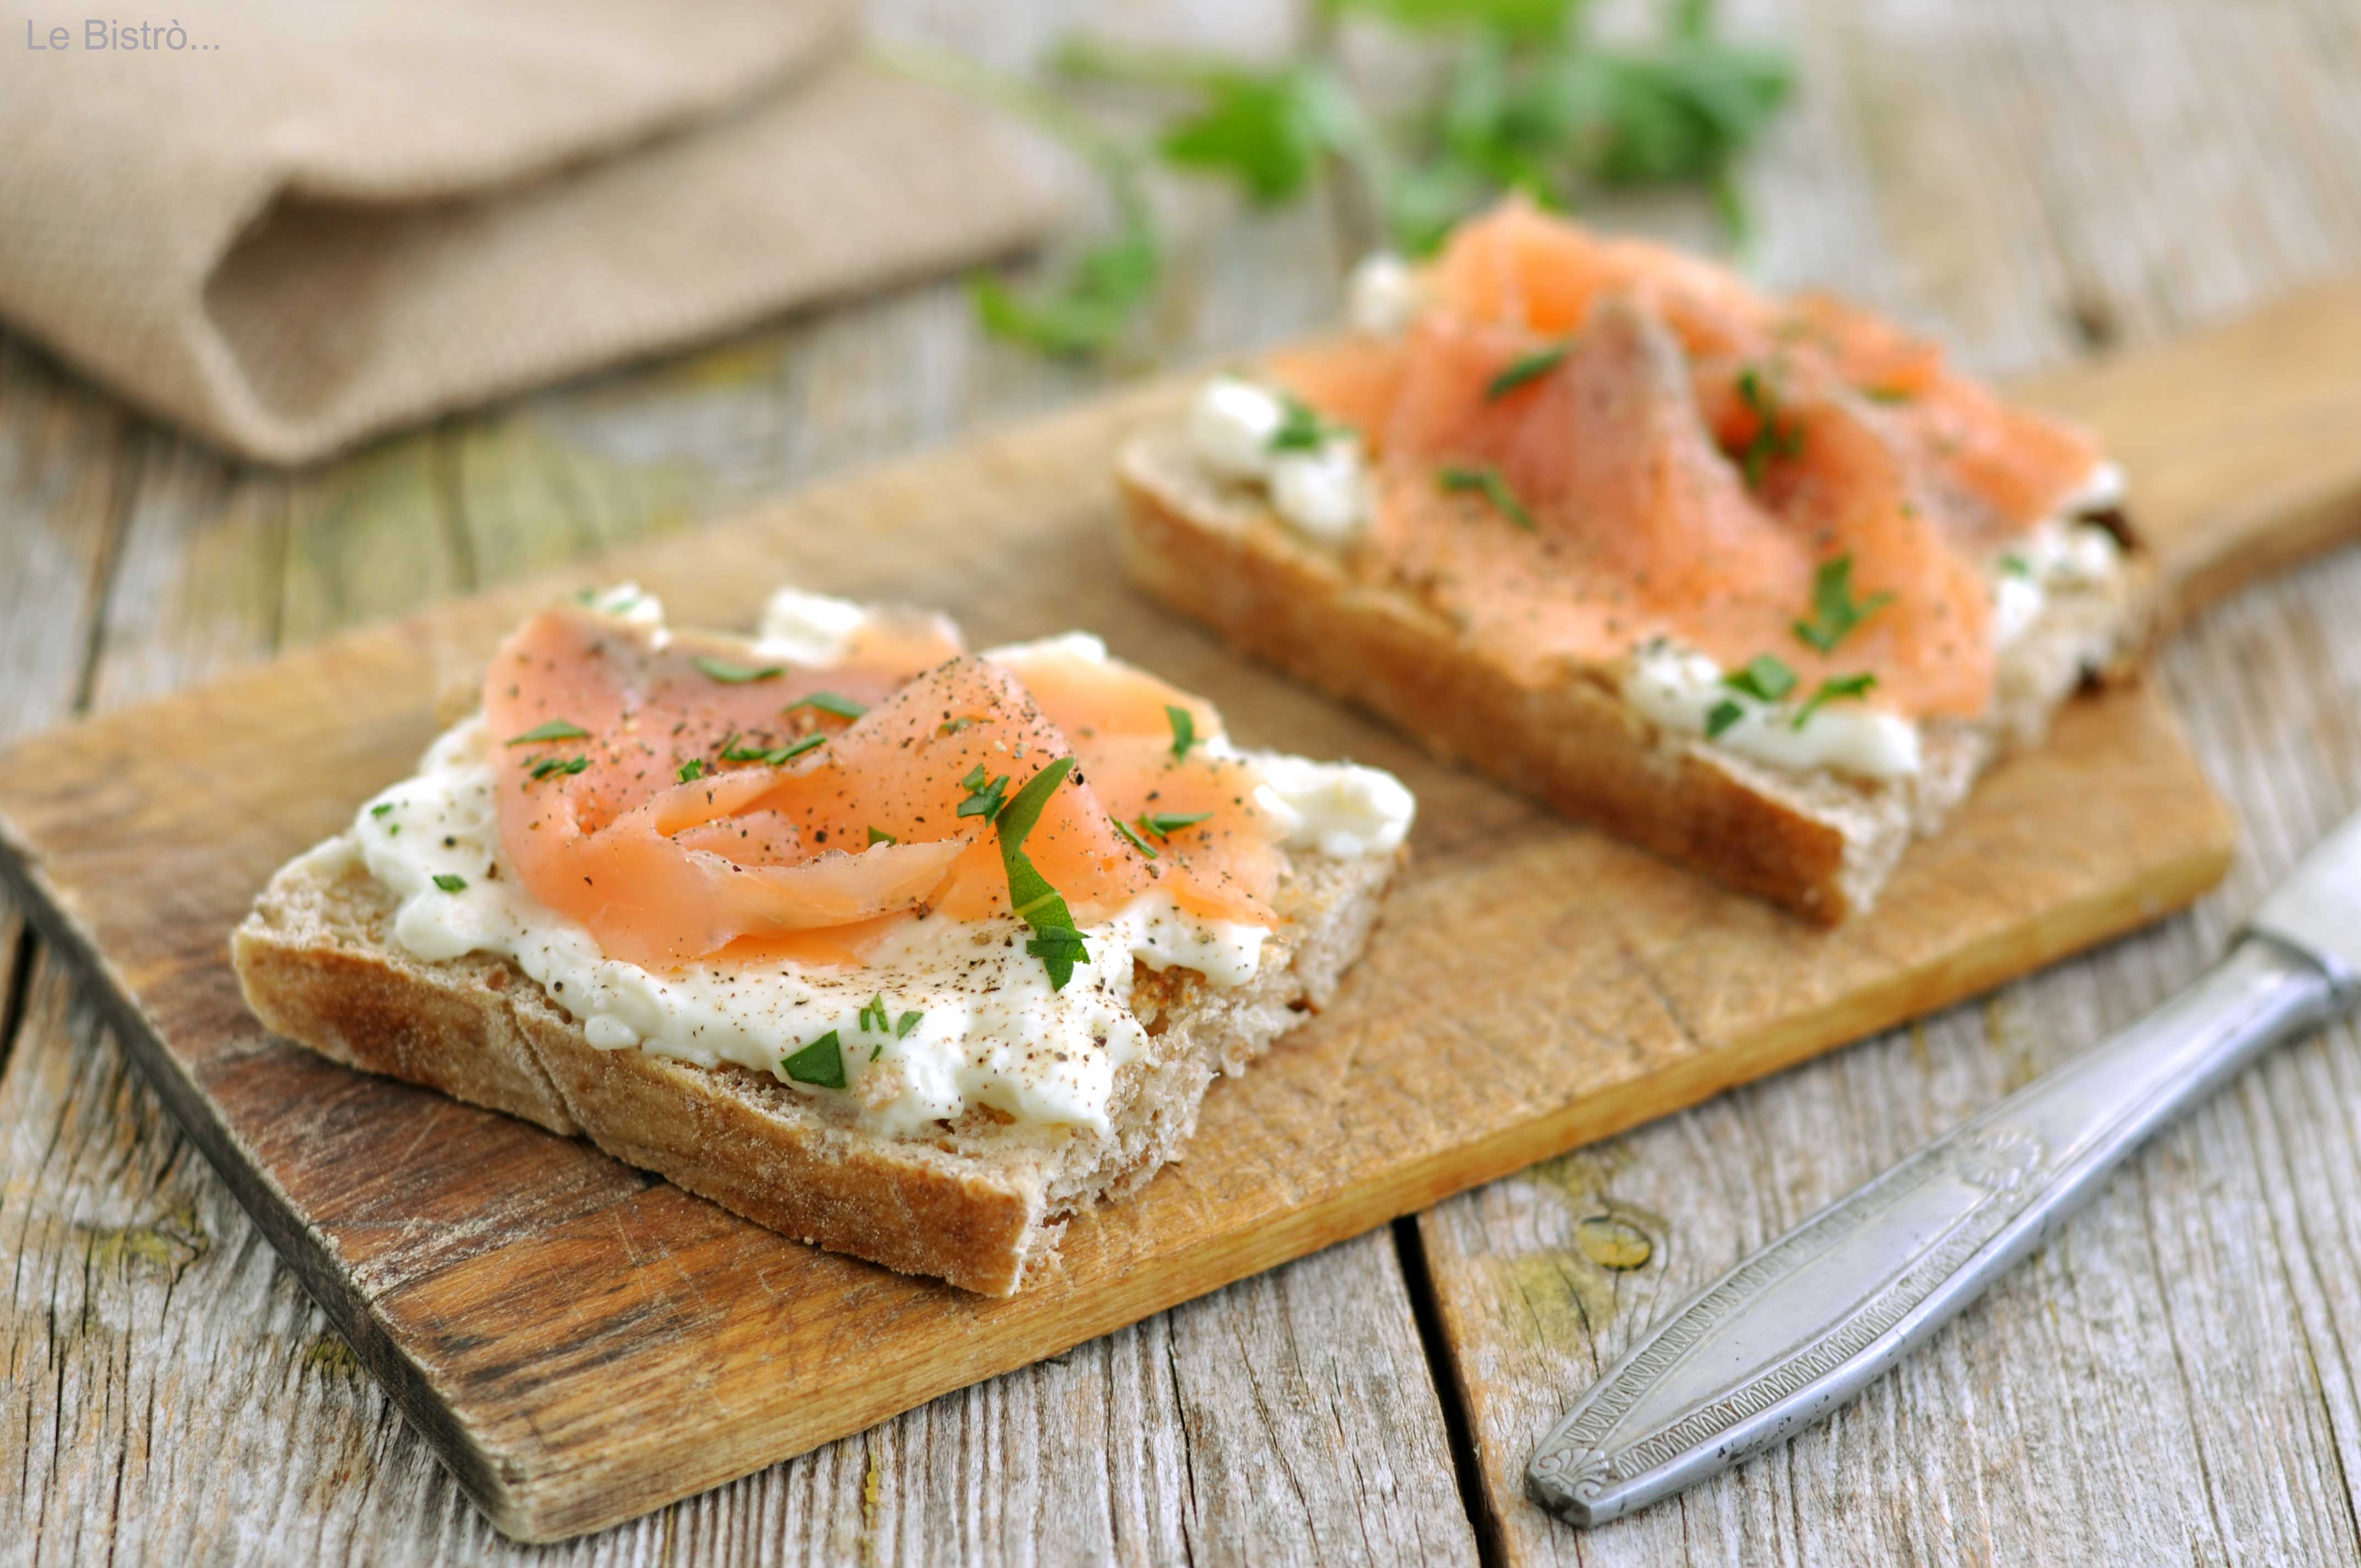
[1819, 843]
[978, 1205]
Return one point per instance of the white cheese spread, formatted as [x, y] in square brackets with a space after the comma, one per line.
[1322, 490]
[2058, 556]
[808, 629]
[988, 1028]
[1678, 688]
[1382, 295]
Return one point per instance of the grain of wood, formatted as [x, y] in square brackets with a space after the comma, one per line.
[2171, 1377]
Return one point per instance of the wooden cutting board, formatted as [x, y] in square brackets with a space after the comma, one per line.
[583, 1343]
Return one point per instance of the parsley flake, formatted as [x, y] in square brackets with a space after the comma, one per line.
[2015, 565]
[1055, 941]
[878, 836]
[1300, 428]
[773, 755]
[829, 702]
[1523, 368]
[565, 766]
[1764, 678]
[1165, 824]
[821, 1063]
[1184, 730]
[555, 730]
[732, 674]
[1833, 689]
[380, 809]
[1835, 612]
[1493, 487]
[450, 884]
[905, 1023]
[692, 770]
[984, 799]
[873, 1013]
[1720, 717]
[1134, 839]
[1771, 439]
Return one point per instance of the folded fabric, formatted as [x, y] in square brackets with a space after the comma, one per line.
[289, 224]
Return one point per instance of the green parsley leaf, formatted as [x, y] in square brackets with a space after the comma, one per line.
[2015, 565]
[692, 770]
[1493, 487]
[984, 800]
[1266, 130]
[732, 674]
[1764, 678]
[450, 884]
[1134, 839]
[1835, 612]
[1835, 687]
[1527, 368]
[878, 836]
[1300, 428]
[1055, 942]
[773, 755]
[1720, 717]
[1164, 824]
[1771, 438]
[560, 766]
[1530, 19]
[1888, 394]
[873, 1014]
[555, 730]
[821, 1063]
[828, 702]
[973, 779]
[380, 809]
[905, 1023]
[1184, 729]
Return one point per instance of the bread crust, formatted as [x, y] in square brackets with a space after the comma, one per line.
[976, 1206]
[1821, 845]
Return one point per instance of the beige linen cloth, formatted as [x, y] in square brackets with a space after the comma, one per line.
[315, 219]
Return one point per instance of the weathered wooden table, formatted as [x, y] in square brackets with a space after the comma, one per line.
[2173, 1376]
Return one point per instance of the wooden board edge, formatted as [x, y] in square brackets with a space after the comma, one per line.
[483, 1476]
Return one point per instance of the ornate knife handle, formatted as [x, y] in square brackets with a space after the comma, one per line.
[1801, 1326]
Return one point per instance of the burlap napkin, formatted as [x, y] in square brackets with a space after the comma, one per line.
[287, 224]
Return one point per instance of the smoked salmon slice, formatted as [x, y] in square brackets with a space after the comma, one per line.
[1582, 442]
[682, 795]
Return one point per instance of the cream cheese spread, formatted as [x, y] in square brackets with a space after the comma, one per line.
[1320, 489]
[1679, 687]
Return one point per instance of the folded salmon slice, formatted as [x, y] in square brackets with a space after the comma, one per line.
[1690, 455]
[679, 796]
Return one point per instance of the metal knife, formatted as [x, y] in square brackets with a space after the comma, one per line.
[1804, 1325]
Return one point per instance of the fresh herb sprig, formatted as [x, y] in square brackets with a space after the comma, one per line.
[1527, 100]
[1835, 612]
[1055, 941]
[1489, 483]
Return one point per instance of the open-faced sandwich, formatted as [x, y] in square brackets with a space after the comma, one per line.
[902, 950]
[1760, 583]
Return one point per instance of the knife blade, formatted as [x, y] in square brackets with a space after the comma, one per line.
[1801, 1326]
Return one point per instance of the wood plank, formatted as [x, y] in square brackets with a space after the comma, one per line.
[1459, 1065]
[2170, 1377]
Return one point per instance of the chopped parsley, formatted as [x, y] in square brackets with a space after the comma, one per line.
[732, 674]
[1833, 689]
[1835, 612]
[821, 1063]
[1163, 825]
[773, 755]
[1764, 678]
[905, 1023]
[873, 1013]
[1771, 439]
[879, 835]
[1055, 941]
[1525, 368]
[983, 798]
[2015, 565]
[555, 730]
[380, 809]
[1720, 717]
[829, 702]
[1134, 839]
[1888, 394]
[450, 884]
[1300, 428]
[1184, 730]
[560, 766]
[1488, 482]
[692, 770]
